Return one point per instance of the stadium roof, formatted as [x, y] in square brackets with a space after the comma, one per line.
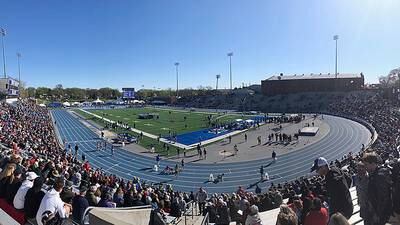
[314, 76]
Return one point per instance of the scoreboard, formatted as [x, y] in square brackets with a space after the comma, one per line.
[128, 93]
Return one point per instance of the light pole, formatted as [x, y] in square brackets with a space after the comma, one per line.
[230, 54]
[3, 33]
[217, 76]
[19, 72]
[177, 87]
[335, 38]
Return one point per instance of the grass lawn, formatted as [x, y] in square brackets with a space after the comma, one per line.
[145, 142]
[168, 119]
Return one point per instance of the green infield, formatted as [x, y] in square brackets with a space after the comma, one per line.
[173, 121]
[165, 121]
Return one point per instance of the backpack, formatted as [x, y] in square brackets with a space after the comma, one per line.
[49, 218]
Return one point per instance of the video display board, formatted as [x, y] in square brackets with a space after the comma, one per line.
[128, 93]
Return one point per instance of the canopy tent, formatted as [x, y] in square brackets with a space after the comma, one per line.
[138, 101]
[238, 120]
[76, 103]
[98, 101]
[42, 105]
[66, 104]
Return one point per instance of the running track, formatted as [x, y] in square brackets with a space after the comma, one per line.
[344, 136]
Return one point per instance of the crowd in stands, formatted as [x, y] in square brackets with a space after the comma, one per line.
[46, 183]
[374, 170]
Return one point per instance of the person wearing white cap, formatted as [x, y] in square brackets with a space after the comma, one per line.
[337, 187]
[19, 198]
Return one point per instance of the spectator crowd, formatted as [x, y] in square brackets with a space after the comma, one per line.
[48, 184]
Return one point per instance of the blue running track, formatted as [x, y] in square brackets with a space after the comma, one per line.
[344, 136]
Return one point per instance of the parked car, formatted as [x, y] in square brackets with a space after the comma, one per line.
[127, 138]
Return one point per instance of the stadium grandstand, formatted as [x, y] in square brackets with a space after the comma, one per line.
[160, 113]
[298, 83]
[34, 163]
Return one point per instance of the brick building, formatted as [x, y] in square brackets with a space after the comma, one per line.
[289, 84]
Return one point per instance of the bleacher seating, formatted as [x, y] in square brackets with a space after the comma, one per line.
[269, 217]
[18, 216]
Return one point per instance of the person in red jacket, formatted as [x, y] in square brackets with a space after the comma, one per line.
[318, 215]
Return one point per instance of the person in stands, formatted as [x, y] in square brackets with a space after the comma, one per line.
[52, 204]
[286, 216]
[79, 204]
[201, 197]
[361, 183]
[336, 186]
[6, 176]
[253, 218]
[338, 219]
[379, 189]
[106, 201]
[396, 190]
[12, 187]
[33, 198]
[19, 198]
[91, 197]
[318, 214]
[223, 215]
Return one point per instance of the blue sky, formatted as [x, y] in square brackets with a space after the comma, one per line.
[117, 43]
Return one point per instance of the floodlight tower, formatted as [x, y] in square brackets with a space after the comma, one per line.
[217, 76]
[230, 54]
[336, 38]
[3, 33]
[176, 66]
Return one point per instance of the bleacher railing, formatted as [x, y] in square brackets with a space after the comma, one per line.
[206, 220]
[191, 208]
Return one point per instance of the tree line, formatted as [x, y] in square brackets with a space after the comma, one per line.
[59, 93]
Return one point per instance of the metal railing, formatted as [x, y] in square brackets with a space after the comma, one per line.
[206, 220]
[191, 208]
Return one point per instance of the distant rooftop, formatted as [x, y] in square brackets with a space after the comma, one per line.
[314, 76]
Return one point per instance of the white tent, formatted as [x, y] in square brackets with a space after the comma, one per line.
[98, 102]
[76, 103]
[138, 101]
[238, 120]
[66, 104]
[42, 105]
